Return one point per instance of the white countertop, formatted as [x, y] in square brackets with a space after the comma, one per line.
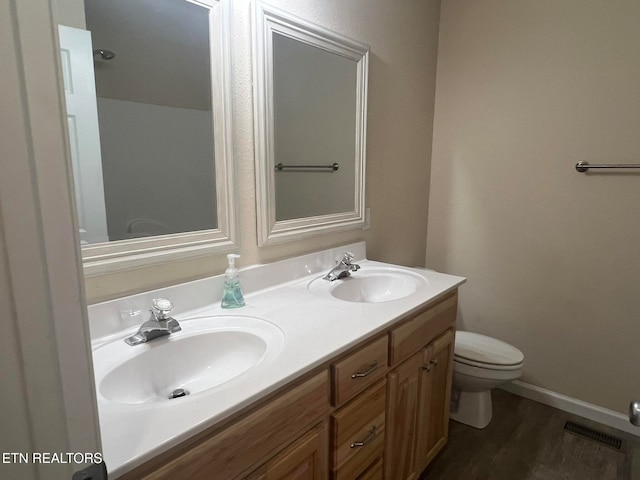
[315, 330]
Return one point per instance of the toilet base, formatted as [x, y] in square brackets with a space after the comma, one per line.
[471, 408]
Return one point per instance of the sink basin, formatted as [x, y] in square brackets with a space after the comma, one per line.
[207, 355]
[371, 285]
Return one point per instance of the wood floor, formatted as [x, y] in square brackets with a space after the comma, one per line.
[526, 441]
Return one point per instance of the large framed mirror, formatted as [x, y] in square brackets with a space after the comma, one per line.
[148, 94]
[310, 94]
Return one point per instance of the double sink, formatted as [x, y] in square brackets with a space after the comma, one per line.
[211, 352]
[155, 395]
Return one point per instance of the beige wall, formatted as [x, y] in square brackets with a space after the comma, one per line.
[401, 81]
[69, 13]
[524, 91]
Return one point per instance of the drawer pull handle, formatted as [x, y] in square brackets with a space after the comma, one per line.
[372, 368]
[371, 436]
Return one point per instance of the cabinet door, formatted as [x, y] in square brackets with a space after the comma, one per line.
[434, 398]
[402, 410]
[305, 459]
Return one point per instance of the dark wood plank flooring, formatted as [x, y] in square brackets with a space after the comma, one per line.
[526, 441]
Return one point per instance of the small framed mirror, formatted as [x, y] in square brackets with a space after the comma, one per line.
[148, 94]
[310, 89]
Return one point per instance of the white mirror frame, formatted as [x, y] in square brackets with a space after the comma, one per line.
[122, 255]
[266, 21]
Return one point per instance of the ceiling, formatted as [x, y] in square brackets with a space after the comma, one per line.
[161, 47]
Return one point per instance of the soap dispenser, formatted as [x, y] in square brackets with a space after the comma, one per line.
[232, 295]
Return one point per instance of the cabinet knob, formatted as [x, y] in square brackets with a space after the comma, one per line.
[430, 365]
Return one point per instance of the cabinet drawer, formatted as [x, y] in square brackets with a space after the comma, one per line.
[254, 438]
[358, 433]
[374, 472]
[359, 370]
[411, 336]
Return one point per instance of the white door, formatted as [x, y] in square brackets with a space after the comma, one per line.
[84, 134]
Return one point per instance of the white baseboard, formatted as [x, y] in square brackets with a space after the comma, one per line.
[592, 412]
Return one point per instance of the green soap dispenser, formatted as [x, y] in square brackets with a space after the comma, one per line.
[232, 295]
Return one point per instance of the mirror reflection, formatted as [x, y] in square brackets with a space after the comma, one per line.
[151, 168]
[314, 99]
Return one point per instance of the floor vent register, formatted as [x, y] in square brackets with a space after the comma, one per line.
[595, 435]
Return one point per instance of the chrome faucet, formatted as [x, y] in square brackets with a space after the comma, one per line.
[160, 324]
[343, 268]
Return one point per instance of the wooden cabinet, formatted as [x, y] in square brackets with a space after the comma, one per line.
[434, 398]
[418, 397]
[378, 411]
[412, 335]
[419, 389]
[403, 390]
[304, 459]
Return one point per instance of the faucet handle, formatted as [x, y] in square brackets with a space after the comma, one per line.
[348, 257]
[161, 308]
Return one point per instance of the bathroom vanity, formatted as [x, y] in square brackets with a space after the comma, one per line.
[357, 385]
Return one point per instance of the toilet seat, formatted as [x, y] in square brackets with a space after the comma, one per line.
[487, 366]
[482, 351]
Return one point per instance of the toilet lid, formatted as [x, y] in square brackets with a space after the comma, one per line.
[481, 349]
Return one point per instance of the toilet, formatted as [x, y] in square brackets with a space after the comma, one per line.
[480, 364]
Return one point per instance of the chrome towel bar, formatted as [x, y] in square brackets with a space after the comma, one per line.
[301, 168]
[585, 166]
